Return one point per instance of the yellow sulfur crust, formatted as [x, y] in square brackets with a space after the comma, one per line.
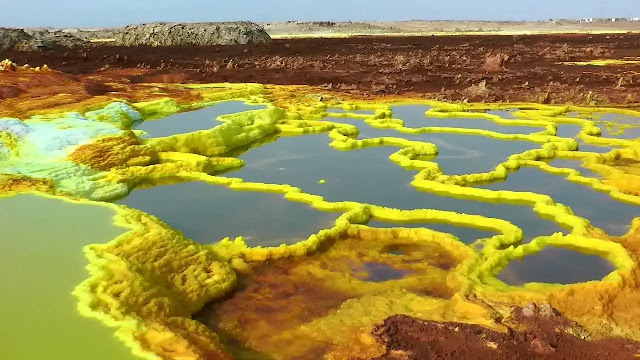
[150, 281]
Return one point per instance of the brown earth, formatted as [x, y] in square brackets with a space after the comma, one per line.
[542, 336]
[276, 301]
[474, 68]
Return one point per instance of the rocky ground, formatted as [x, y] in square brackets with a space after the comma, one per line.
[21, 40]
[194, 34]
[152, 34]
[474, 68]
[539, 335]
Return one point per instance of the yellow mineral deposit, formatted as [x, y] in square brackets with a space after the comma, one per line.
[605, 62]
[147, 283]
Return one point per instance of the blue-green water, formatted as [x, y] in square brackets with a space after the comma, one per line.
[366, 131]
[42, 261]
[609, 124]
[458, 154]
[414, 117]
[195, 120]
[555, 265]
[208, 213]
[571, 131]
[567, 130]
[368, 176]
[600, 209]
[620, 119]
[379, 272]
[620, 132]
[582, 146]
[619, 126]
[573, 164]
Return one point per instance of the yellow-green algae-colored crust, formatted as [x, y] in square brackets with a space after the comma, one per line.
[335, 285]
[605, 62]
[149, 281]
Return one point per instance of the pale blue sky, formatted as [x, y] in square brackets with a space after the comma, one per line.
[88, 13]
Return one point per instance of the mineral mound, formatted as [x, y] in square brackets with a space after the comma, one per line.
[198, 34]
[10, 37]
[543, 338]
[43, 39]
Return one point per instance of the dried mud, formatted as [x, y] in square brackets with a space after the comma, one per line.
[474, 68]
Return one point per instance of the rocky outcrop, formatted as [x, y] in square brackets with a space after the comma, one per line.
[198, 34]
[152, 34]
[36, 39]
[46, 40]
[10, 37]
[92, 34]
[85, 34]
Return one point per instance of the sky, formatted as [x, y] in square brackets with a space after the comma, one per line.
[100, 13]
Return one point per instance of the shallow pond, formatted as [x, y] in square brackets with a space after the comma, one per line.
[611, 125]
[458, 154]
[620, 119]
[571, 131]
[42, 246]
[582, 146]
[378, 272]
[619, 126]
[208, 213]
[619, 132]
[567, 130]
[367, 176]
[414, 117]
[556, 265]
[599, 208]
[573, 164]
[195, 120]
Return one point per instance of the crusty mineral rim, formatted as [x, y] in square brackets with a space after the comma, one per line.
[153, 315]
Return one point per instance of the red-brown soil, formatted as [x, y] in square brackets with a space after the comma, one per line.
[474, 68]
[538, 335]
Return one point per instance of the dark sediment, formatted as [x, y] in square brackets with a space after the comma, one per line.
[474, 68]
[539, 334]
